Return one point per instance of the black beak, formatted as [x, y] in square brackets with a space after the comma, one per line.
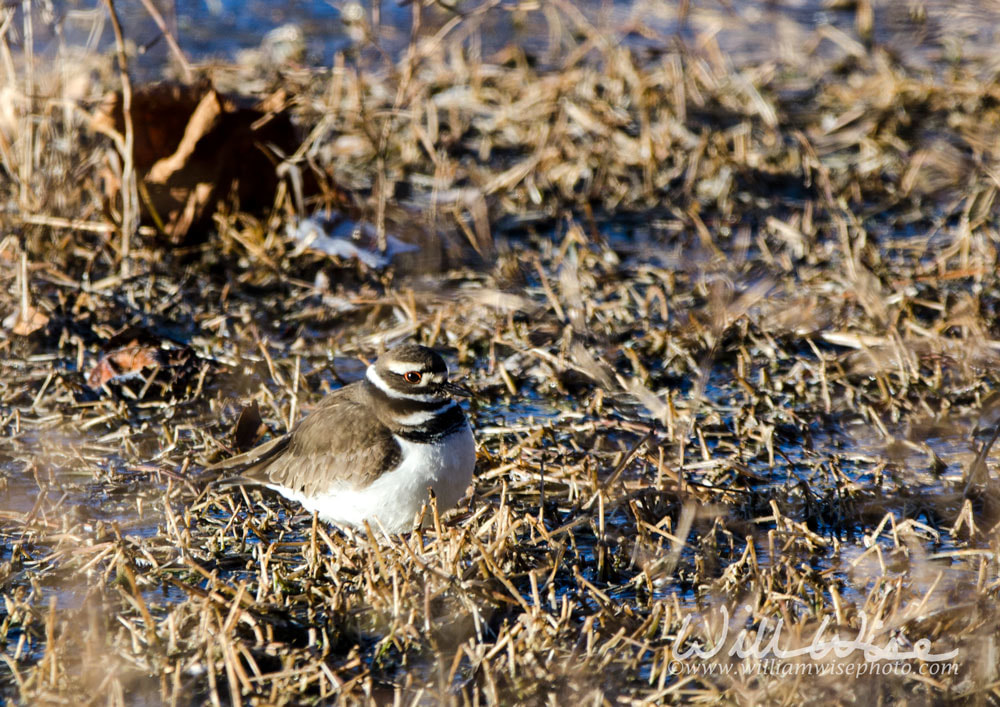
[457, 389]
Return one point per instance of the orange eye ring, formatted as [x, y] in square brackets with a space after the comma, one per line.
[412, 377]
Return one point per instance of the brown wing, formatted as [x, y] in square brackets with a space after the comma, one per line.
[255, 456]
[341, 442]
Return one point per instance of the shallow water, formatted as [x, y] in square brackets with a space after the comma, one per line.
[748, 32]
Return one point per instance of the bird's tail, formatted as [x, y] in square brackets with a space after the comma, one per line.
[234, 470]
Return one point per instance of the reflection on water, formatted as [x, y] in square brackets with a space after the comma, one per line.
[747, 32]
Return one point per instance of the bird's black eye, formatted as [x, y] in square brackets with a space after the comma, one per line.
[412, 377]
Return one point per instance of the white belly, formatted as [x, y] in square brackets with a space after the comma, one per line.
[393, 499]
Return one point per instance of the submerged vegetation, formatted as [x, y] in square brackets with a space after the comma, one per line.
[730, 305]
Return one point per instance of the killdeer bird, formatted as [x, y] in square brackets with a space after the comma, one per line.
[371, 450]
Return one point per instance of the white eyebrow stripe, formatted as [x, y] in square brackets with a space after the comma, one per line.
[424, 416]
[401, 367]
[375, 379]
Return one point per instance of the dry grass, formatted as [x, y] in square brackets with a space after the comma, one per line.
[734, 325]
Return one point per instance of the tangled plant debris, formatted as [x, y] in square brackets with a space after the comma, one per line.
[732, 317]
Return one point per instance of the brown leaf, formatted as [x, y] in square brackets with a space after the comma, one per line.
[194, 146]
[23, 322]
[147, 364]
[101, 374]
[202, 121]
[123, 362]
[248, 427]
